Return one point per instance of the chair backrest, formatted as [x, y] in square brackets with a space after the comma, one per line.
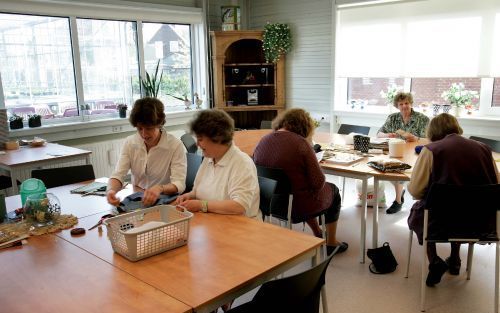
[70, 112]
[189, 143]
[280, 199]
[294, 294]
[59, 176]
[23, 111]
[493, 144]
[467, 211]
[265, 124]
[267, 188]
[345, 129]
[193, 163]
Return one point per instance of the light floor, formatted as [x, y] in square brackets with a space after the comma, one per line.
[352, 288]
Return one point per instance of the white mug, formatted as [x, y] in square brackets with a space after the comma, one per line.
[396, 148]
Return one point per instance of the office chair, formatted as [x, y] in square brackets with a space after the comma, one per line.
[346, 129]
[493, 144]
[265, 124]
[60, 176]
[299, 293]
[193, 164]
[471, 219]
[267, 188]
[189, 143]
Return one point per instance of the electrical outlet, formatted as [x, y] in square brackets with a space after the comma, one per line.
[116, 129]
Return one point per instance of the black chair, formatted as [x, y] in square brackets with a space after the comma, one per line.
[193, 163]
[267, 188]
[468, 214]
[189, 143]
[346, 129]
[60, 176]
[295, 294]
[493, 144]
[265, 124]
[5, 182]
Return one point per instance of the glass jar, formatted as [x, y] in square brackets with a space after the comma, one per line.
[42, 209]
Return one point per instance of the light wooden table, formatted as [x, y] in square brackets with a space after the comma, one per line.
[14, 161]
[226, 256]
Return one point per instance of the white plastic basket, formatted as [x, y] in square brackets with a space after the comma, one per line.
[141, 234]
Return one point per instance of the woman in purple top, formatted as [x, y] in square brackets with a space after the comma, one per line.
[287, 148]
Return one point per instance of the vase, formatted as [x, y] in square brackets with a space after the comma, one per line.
[122, 112]
[446, 108]
[435, 108]
[458, 111]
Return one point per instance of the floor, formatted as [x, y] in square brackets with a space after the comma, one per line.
[352, 288]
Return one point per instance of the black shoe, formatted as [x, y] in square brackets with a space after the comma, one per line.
[436, 271]
[341, 248]
[394, 208]
[453, 265]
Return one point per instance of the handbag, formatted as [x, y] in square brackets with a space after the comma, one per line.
[383, 261]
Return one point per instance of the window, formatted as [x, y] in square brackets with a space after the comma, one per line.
[364, 92]
[171, 45]
[429, 90]
[36, 65]
[496, 93]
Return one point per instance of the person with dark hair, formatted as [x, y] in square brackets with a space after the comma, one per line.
[408, 125]
[448, 159]
[226, 182]
[156, 159]
[288, 148]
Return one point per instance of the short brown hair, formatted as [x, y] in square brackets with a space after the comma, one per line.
[215, 124]
[443, 125]
[147, 111]
[295, 120]
[401, 96]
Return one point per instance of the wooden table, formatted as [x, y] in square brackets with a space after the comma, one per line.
[27, 157]
[225, 257]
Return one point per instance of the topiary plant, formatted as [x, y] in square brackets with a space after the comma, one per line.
[277, 40]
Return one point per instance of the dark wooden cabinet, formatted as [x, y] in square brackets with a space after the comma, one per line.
[245, 86]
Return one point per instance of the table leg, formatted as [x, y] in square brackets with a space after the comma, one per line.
[375, 213]
[13, 178]
[362, 241]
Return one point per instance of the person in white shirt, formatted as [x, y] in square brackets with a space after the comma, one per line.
[156, 159]
[226, 182]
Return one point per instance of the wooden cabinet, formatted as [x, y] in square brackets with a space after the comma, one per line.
[245, 86]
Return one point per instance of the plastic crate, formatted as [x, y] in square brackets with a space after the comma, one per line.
[148, 232]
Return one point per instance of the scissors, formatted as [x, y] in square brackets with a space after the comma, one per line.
[101, 220]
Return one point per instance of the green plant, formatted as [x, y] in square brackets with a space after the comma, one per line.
[392, 90]
[151, 84]
[15, 117]
[184, 98]
[277, 40]
[458, 96]
[121, 106]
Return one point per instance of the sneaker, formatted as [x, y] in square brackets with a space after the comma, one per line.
[341, 248]
[453, 265]
[436, 271]
[394, 208]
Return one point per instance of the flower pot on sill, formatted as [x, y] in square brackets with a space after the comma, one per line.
[16, 124]
[122, 112]
[36, 122]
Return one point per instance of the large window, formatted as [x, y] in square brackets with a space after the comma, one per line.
[64, 67]
[364, 92]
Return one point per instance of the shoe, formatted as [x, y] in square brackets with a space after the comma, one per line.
[394, 208]
[341, 248]
[453, 265]
[436, 271]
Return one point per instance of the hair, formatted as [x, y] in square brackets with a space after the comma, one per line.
[401, 96]
[443, 125]
[147, 111]
[295, 120]
[215, 124]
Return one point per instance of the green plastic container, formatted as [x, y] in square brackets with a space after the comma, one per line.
[31, 186]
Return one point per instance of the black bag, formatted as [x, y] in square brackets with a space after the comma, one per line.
[383, 261]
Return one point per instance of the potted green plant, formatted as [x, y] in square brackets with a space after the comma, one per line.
[277, 40]
[16, 122]
[122, 110]
[34, 120]
[151, 84]
[459, 97]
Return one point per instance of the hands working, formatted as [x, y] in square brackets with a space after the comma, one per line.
[185, 201]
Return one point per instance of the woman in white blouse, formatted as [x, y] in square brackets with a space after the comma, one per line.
[226, 182]
[156, 159]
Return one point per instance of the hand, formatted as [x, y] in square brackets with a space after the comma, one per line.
[151, 195]
[411, 138]
[392, 135]
[191, 205]
[112, 198]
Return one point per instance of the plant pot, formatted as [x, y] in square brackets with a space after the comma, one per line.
[35, 122]
[122, 112]
[16, 124]
[458, 111]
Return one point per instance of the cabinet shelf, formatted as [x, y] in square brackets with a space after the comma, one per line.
[247, 64]
[249, 85]
[243, 107]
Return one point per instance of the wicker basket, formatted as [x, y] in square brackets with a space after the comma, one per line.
[148, 232]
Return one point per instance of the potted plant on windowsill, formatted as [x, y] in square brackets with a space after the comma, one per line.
[34, 120]
[16, 122]
[122, 110]
[459, 97]
[151, 84]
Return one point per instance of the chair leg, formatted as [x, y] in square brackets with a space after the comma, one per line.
[424, 262]
[323, 233]
[470, 253]
[343, 191]
[497, 267]
[408, 256]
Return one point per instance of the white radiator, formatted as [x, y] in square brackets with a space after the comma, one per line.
[104, 155]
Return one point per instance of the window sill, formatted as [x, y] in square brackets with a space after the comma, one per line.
[79, 128]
